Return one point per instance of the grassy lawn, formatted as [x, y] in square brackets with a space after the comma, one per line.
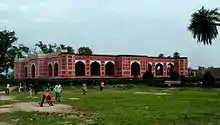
[118, 106]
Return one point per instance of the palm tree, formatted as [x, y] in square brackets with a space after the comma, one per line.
[203, 25]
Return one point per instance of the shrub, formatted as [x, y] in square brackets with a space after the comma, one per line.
[148, 75]
[174, 75]
[208, 80]
[183, 80]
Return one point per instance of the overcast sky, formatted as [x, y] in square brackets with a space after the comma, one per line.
[112, 26]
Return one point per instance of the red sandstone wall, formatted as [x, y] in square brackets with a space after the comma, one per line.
[122, 65]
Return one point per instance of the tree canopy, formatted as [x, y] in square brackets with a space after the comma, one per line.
[176, 55]
[85, 51]
[9, 49]
[7, 54]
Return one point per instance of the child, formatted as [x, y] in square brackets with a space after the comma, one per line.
[48, 98]
[102, 86]
[84, 88]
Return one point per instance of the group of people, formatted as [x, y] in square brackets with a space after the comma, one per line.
[84, 87]
[47, 95]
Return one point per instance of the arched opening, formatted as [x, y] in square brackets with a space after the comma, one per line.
[159, 69]
[55, 69]
[50, 70]
[95, 69]
[80, 69]
[33, 71]
[170, 68]
[149, 67]
[25, 72]
[135, 69]
[109, 69]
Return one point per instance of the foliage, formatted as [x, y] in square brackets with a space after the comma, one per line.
[161, 55]
[208, 79]
[50, 48]
[148, 75]
[85, 51]
[203, 25]
[68, 48]
[7, 38]
[176, 55]
[174, 75]
[183, 80]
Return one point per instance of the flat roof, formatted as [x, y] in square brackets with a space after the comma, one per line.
[124, 56]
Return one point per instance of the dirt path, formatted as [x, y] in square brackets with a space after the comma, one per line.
[34, 106]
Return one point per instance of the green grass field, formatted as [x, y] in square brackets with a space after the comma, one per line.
[120, 106]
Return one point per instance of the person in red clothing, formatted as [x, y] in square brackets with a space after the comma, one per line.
[48, 98]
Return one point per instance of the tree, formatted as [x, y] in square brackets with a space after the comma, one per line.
[176, 55]
[68, 48]
[208, 79]
[7, 38]
[50, 48]
[203, 25]
[174, 75]
[85, 50]
[161, 55]
[44, 48]
[148, 75]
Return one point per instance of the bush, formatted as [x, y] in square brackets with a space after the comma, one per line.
[183, 80]
[208, 80]
[148, 75]
[174, 76]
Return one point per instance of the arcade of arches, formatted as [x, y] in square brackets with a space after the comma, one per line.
[95, 69]
[51, 71]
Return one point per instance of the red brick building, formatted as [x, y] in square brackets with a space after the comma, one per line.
[64, 65]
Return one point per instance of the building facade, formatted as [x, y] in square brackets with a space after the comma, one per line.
[65, 65]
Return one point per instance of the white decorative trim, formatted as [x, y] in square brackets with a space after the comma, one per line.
[170, 63]
[150, 63]
[159, 63]
[109, 61]
[49, 63]
[84, 61]
[95, 61]
[33, 64]
[134, 62]
[55, 62]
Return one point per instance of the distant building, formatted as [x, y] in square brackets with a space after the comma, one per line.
[192, 72]
[68, 65]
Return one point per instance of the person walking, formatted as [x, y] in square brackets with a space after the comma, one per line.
[102, 86]
[35, 88]
[7, 89]
[84, 88]
[58, 90]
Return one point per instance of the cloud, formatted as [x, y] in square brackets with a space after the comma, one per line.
[4, 21]
[25, 8]
[42, 20]
[3, 7]
[52, 10]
